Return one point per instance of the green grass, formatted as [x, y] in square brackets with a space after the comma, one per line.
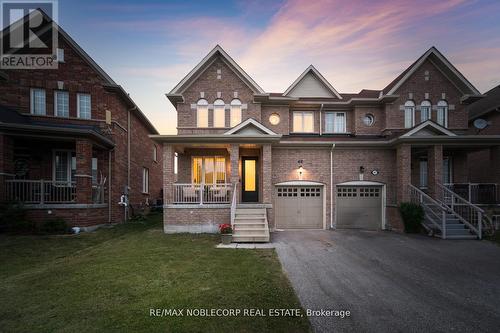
[108, 280]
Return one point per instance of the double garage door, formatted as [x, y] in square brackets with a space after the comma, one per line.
[299, 207]
[359, 207]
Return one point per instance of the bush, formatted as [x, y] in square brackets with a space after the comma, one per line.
[413, 216]
[13, 218]
[54, 226]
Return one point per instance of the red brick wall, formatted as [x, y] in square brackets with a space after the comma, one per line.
[194, 218]
[80, 217]
[283, 111]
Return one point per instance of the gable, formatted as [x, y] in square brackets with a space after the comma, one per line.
[428, 129]
[311, 84]
[250, 127]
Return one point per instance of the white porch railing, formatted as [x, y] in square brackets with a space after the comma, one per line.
[476, 193]
[40, 191]
[435, 212]
[234, 202]
[202, 193]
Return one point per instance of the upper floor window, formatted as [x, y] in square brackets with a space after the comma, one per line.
[202, 113]
[61, 103]
[219, 113]
[145, 180]
[60, 55]
[84, 110]
[335, 122]
[303, 122]
[409, 114]
[155, 154]
[235, 115]
[442, 113]
[38, 101]
[425, 111]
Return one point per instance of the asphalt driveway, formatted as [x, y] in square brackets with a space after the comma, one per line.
[393, 283]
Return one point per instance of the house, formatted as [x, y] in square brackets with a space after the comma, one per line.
[72, 142]
[312, 157]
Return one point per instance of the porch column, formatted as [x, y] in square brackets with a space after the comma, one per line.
[435, 169]
[6, 162]
[83, 173]
[267, 173]
[168, 173]
[235, 158]
[403, 160]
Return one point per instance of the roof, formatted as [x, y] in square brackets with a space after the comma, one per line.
[444, 64]
[249, 123]
[320, 78]
[485, 105]
[428, 127]
[110, 83]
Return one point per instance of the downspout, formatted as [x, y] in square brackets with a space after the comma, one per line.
[331, 186]
[109, 186]
[128, 161]
[320, 120]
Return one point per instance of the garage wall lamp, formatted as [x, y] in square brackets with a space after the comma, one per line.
[361, 172]
[300, 170]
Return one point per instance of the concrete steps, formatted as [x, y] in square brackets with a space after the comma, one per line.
[250, 225]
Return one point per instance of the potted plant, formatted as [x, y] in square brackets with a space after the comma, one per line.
[226, 232]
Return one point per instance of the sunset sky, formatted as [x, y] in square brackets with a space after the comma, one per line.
[148, 46]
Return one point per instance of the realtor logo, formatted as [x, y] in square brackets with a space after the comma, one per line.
[29, 34]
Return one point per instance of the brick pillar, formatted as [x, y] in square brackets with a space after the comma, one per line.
[267, 174]
[83, 173]
[234, 152]
[6, 162]
[403, 158]
[435, 169]
[168, 173]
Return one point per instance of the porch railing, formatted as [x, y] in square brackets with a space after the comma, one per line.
[476, 193]
[202, 193]
[234, 202]
[435, 212]
[40, 191]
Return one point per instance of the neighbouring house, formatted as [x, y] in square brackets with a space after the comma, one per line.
[72, 142]
[312, 157]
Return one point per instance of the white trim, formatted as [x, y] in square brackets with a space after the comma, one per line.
[78, 95]
[32, 102]
[302, 113]
[426, 55]
[217, 49]
[56, 110]
[250, 121]
[335, 114]
[360, 183]
[299, 183]
[431, 124]
[322, 79]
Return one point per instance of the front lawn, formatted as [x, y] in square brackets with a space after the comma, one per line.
[109, 280]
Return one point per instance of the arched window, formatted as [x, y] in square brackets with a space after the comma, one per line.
[235, 115]
[442, 113]
[202, 113]
[409, 114]
[425, 111]
[219, 113]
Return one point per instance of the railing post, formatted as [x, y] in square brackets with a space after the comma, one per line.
[443, 224]
[470, 194]
[42, 192]
[202, 187]
[479, 224]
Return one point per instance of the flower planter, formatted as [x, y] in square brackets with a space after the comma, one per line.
[226, 238]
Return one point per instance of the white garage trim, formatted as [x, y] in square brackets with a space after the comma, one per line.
[304, 183]
[360, 183]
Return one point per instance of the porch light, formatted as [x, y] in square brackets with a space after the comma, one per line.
[300, 170]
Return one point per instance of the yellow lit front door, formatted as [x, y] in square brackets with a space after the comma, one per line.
[250, 191]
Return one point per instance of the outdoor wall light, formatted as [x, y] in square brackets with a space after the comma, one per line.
[300, 170]
[361, 169]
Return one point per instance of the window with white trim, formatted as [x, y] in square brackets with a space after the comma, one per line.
[61, 103]
[37, 99]
[303, 122]
[155, 153]
[335, 122]
[235, 115]
[219, 113]
[145, 180]
[425, 111]
[423, 177]
[409, 110]
[442, 113]
[208, 170]
[60, 55]
[202, 113]
[447, 170]
[64, 165]
[84, 108]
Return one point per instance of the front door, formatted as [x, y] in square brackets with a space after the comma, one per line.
[249, 186]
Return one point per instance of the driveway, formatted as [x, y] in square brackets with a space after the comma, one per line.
[391, 282]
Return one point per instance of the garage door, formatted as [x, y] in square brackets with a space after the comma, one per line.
[359, 207]
[299, 207]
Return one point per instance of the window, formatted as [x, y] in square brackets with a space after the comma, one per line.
[155, 154]
[84, 106]
[303, 122]
[274, 119]
[409, 114]
[61, 103]
[447, 170]
[425, 111]
[94, 170]
[145, 180]
[38, 101]
[442, 113]
[423, 174]
[368, 119]
[64, 165]
[208, 170]
[335, 122]
[60, 55]
[235, 112]
[202, 113]
[219, 113]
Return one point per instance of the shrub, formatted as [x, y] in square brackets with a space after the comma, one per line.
[225, 229]
[54, 226]
[13, 218]
[413, 216]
